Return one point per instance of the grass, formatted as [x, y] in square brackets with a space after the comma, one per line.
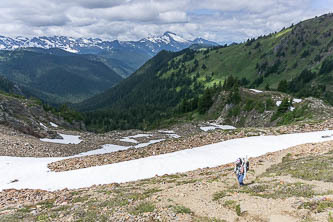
[186, 182]
[317, 206]
[179, 209]
[238, 210]
[330, 218]
[143, 207]
[80, 199]
[230, 204]
[277, 190]
[89, 216]
[42, 218]
[47, 204]
[219, 195]
[306, 168]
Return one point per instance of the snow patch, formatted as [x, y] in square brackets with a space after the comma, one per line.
[53, 125]
[167, 131]
[128, 140]
[173, 135]
[140, 135]
[177, 38]
[213, 126]
[107, 148]
[256, 91]
[66, 139]
[297, 100]
[33, 173]
[43, 125]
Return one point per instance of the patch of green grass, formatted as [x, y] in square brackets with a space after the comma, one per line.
[307, 168]
[279, 191]
[47, 204]
[80, 199]
[149, 192]
[42, 218]
[286, 158]
[107, 192]
[229, 204]
[179, 209]
[61, 208]
[215, 179]
[219, 195]
[317, 206]
[186, 182]
[279, 34]
[25, 209]
[89, 216]
[74, 193]
[330, 218]
[238, 210]
[143, 207]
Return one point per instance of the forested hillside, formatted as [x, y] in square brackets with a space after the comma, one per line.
[297, 60]
[56, 76]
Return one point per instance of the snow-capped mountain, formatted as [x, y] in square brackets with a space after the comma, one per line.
[123, 57]
[151, 45]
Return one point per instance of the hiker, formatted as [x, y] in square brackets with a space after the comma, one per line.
[241, 168]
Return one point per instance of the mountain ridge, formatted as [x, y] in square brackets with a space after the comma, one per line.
[81, 45]
[123, 57]
[54, 75]
[297, 60]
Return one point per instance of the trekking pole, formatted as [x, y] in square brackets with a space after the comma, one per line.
[245, 170]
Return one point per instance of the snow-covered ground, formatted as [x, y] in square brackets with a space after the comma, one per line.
[297, 100]
[256, 91]
[107, 148]
[131, 139]
[43, 125]
[33, 172]
[66, 139]
[53, 125]
[213, 126]
[128, 140]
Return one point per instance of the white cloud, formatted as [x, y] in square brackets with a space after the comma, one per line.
[218, 20]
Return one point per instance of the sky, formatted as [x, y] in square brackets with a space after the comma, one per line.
[223, 21]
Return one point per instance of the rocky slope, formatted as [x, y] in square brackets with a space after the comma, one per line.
[259, 109]
[28, 117]
[289, 185]
[188, 142]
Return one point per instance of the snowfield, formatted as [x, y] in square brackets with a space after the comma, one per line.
[213, 126]
[256, 91]
[33, 172]
[66, 139]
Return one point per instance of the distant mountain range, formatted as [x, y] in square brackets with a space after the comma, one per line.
[123, 57]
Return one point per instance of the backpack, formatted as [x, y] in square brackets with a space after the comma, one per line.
[242, 165]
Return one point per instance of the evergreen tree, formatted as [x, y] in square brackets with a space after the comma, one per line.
[205, 101]
[284, 106]
[283, 86]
